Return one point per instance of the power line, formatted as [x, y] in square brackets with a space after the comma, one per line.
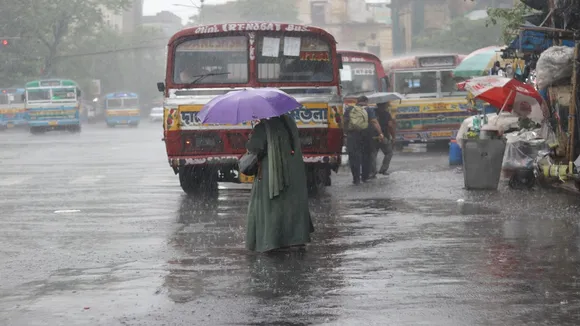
[110, 51]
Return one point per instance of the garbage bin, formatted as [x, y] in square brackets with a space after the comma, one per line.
[482, 160]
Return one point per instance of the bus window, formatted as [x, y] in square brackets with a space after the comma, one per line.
[306, 60]
[59, 94]
[38, 95]
[130, 102]
[424, 82]
[114, 103]
[5, 99]
[363, 78]
[226, 56]
[449, 83]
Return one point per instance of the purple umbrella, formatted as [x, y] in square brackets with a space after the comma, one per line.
[247, 105]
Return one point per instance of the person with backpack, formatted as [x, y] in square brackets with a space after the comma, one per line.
[358, 122]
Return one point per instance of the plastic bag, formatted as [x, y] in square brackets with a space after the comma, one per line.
[504, 121]
[548, 134]
[553, 65]
[522, 149]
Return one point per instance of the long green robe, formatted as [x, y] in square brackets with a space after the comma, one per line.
[278, 214]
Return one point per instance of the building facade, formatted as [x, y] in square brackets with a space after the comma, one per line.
[410, 18]
[362, 25]
[166, 22]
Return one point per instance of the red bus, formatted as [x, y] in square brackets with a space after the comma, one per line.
[300, 60]
[361, 73]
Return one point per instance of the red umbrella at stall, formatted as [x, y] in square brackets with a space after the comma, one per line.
[508, 94]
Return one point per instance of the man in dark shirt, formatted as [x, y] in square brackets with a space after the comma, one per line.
[358, 143]
[387, 124]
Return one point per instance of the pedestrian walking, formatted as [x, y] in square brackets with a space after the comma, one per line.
[278, 214]
[388, 128]
[358, 120]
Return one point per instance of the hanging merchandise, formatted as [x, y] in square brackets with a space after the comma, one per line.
[554, 64]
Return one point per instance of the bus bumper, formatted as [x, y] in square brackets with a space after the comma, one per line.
[54, 123]
[224, 159]
[116, 121]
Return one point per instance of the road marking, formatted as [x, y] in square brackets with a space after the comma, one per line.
[12, 181]
[87, 179]
[64, 211]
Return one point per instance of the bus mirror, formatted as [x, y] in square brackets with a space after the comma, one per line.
[79, 93]
[23, 97]
[339, 57]
[161, 87]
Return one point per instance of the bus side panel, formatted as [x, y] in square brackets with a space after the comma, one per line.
[407, 114]
[442, 118]
[430, 119]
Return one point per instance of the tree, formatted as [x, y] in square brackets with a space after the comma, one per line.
[509, 19]
[462, 36]
[47, 25]
[122, 62]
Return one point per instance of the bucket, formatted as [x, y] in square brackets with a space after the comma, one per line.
[455, 156]
[482, 161]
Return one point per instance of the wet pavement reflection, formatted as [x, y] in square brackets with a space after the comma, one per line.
[412, 248]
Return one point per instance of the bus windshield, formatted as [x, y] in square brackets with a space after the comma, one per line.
[416, 82]
[223, 59]
[116, 103]
[449, 84]
[359, 77]
[286, 58]
[38, 95]
[130, 103]
[64, 94]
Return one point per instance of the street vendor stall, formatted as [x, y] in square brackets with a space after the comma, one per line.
[479, 63]
[483, 146]
[557, 71]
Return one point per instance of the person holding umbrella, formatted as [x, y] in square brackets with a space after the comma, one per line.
[278, 213]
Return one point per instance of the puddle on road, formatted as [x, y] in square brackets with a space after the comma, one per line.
[423, 206]
[366, 255]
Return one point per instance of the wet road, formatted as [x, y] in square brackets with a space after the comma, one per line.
[96, 231]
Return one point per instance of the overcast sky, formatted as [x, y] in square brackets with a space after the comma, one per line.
[151, 7]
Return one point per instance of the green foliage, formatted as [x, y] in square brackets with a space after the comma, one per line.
[463, 36]
[122, 62]
[47, 27]
[68, 39]
[510, 19]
